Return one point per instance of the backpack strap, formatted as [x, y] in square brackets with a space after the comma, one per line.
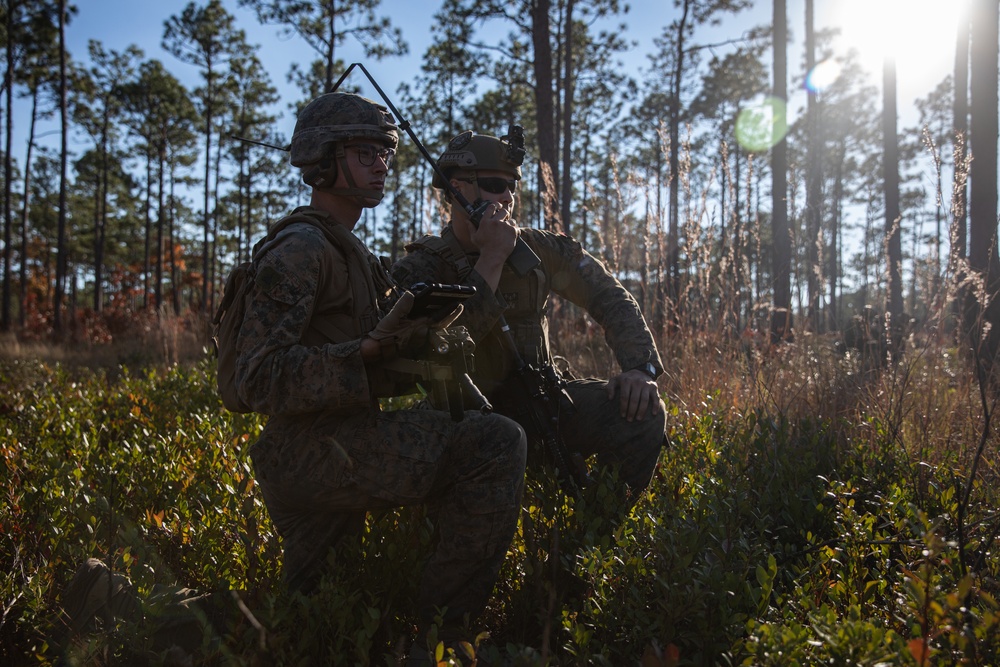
[447, 248]
[368, 284]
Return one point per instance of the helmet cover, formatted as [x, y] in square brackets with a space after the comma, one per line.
[339, 117]
[474, 152]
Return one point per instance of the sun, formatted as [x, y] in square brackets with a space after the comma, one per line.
[918, 34]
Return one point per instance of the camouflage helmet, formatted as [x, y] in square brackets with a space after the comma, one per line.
[473, 152]
[339, 117]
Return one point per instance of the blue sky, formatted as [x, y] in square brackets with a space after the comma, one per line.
[925, 45]
[119, 23]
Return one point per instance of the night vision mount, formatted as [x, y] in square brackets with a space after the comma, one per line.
[514, 141]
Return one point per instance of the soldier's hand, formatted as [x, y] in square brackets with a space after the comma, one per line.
[396, 330]
[497, 232]
[637, 394]
[495, 239]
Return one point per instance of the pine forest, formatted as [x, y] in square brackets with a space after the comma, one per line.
[815, 253]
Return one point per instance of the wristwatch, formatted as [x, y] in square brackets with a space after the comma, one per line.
[649, 369]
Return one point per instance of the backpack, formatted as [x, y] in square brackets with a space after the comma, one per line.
[239, 288]
[227, 321]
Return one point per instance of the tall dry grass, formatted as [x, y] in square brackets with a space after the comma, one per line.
[928, 398]
[139, 340]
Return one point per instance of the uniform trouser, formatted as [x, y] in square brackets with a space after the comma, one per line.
[318, 481]
[593, 424]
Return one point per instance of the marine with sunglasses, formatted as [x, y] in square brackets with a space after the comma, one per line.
[620, 420]
[321, 319]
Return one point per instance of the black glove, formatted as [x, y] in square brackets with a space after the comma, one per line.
[396, 332]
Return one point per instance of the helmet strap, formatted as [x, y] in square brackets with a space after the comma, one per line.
[469, 177]
[353, 190]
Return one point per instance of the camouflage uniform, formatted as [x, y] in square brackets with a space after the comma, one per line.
[328, 454]
[594, 425]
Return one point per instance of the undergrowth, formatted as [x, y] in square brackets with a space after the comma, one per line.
[808, 510]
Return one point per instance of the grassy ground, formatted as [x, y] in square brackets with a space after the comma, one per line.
[812, 508]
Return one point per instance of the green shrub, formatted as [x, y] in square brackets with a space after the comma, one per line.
[764, 539]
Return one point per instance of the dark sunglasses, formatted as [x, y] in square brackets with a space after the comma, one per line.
[367, 154]
[494, 184]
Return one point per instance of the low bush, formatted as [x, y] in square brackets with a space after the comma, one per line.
[768, 536]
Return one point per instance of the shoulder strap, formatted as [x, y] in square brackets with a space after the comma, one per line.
[447, 248]
[360, 268]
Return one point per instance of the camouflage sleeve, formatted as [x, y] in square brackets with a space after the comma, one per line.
[480, 312]
[583, 279]
[275, 373]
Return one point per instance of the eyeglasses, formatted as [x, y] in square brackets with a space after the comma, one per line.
[367, 154]
[495, 184]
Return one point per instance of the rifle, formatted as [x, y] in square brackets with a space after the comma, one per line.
[449, 348]
[454, 348]
[541, 390]
[446, 367]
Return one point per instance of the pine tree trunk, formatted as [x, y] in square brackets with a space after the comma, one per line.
[781, 316]
[61, 259]
[959, 233]
[893, 219]
[813, 185]
[8, 173]
[545, 114]
[569, 87]
[673, 228]
[25, 206]
[983, 175]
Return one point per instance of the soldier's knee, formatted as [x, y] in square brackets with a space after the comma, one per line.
[644, 451]
[494, 437]
[513, 441]
[492, 458]
[658, 422]
[645, 432]
[508, 465]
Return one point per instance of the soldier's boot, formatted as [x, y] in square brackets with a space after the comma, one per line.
[96, 597]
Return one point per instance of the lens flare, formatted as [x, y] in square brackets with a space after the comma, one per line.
[761, 126]
[822, 76]
[918, 34]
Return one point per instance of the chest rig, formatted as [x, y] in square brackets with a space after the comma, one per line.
[526, 299]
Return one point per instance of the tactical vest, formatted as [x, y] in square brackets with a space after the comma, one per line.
[371, 285]
[526, 299]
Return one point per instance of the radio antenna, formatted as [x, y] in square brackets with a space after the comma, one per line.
[260, 143]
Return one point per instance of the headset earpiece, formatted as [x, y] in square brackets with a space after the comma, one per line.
[321, 175]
